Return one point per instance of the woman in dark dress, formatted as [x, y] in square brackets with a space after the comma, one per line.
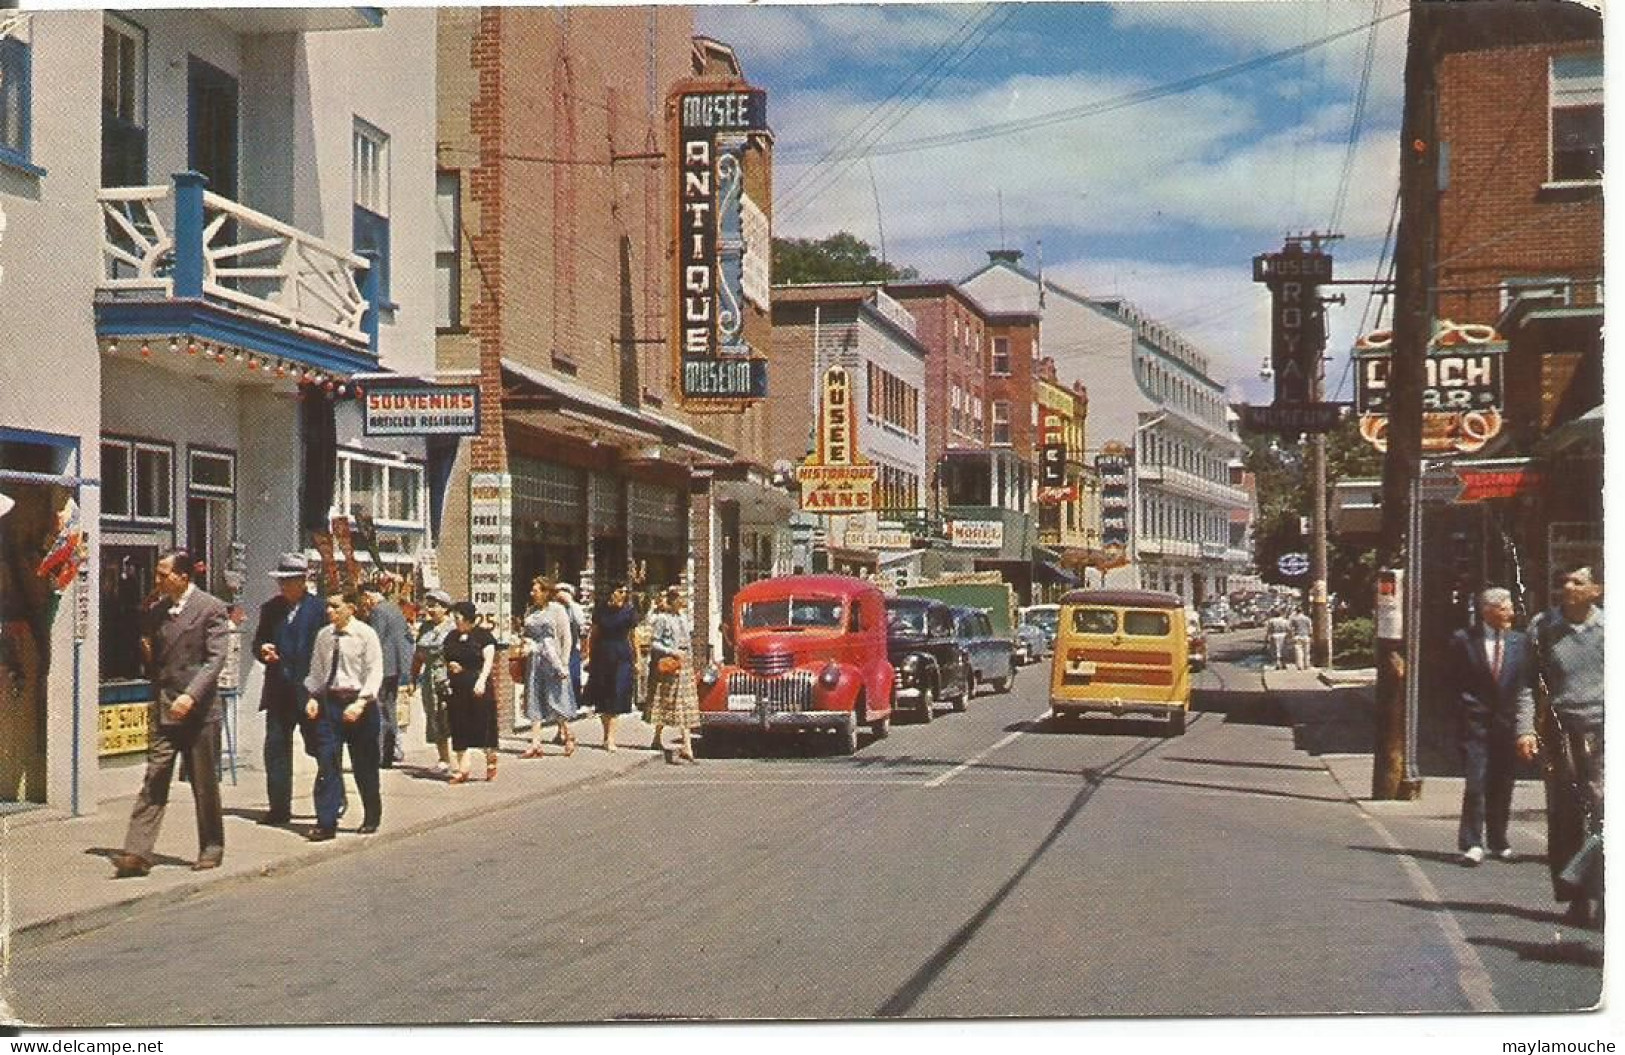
[612, 684]
[470, 654]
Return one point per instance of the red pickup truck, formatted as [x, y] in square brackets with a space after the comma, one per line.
[811, 654]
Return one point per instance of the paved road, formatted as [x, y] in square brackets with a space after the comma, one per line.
[989, 864]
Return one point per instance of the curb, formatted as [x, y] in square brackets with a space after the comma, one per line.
[82, 921]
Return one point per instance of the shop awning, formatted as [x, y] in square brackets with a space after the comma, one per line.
[590, 408]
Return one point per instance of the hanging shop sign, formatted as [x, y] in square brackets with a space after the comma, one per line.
[1051, 457]
[1462, 395]
[881, 538]
[837, 479]
[976, 534]
[1114, 464]
[419, 409]
[490, 547]
[723, 245]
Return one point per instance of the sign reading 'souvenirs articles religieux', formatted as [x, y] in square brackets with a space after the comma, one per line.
[417, 409]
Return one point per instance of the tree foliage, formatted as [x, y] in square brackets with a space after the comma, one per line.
[1286, 495]
[841, 257]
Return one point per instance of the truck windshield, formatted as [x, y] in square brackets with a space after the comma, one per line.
[790, 613]
[1043, 618]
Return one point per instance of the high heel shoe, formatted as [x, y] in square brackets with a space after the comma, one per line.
[533, 751]
[569, 747]
[491, 768]
[687, 755]
[458, 777]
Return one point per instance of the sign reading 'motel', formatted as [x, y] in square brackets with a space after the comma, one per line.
[723, 245]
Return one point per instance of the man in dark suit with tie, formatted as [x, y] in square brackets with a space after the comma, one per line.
[189, 640]
[283, 642]
[1492, 666]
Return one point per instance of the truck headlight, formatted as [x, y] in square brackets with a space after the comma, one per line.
[830, 676]
[711, 676]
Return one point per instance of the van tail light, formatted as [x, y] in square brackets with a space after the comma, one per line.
[1075, 655]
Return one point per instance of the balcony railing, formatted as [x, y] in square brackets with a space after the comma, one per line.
[1190, 485]
[186, 242]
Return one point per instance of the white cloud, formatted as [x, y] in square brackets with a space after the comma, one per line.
[828, 36]
[1200, 160]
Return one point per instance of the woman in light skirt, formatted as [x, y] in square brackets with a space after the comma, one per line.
[673, 699]
[549, 697]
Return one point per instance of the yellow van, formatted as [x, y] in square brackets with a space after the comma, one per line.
[1121, 652]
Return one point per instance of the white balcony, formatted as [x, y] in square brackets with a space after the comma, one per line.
[181, 242]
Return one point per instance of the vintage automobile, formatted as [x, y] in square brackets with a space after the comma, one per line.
[992, 657]
[1045, 617]
[1122, 652]
[930, 664]
[811, 654]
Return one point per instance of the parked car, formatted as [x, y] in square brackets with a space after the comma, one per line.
[1195, 641]
[1215, 620]
[930, 664]
[992, 657]
[811, 653]
[1031, 643]
[1045, 617]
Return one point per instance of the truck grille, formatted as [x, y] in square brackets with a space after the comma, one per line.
[792, 692]
[768, 662]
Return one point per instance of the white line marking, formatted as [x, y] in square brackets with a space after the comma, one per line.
[1470, 973]
[937, 782]
[749, 781]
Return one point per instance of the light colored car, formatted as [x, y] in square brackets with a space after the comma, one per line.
[1031, 643]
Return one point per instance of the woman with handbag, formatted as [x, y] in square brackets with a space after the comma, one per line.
[549, 697]
[612, 685]
[471, 653]
[430, 680]
[673, 699]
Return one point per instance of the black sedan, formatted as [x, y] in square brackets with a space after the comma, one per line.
[931, 664]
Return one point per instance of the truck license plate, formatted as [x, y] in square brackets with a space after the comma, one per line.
[741, 702]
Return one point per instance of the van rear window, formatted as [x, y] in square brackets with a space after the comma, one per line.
[1095, 621]
[1145, 624]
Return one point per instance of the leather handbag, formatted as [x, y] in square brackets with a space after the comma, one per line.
[668, 666]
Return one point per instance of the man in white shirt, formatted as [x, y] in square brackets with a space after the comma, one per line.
[346, 672]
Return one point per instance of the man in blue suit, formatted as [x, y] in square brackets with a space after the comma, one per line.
[1493, 668]
[283, 642]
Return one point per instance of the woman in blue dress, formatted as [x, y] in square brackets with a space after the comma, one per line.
[549, 697]
[612, 684]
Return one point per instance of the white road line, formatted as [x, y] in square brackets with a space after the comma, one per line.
[1470, 973]
[749, 781]
[937, 782]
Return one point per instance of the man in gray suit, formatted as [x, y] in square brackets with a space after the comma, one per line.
[387, 620]
[189, 637]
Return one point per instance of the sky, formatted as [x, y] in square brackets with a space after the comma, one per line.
[1152, 148]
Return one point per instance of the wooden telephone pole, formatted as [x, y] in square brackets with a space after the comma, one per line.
[1394, 773]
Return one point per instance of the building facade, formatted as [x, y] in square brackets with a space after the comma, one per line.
[559, 204]
[1155, 399]
[253, 222]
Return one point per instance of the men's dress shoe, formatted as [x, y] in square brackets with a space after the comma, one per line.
[274, 818]
[205, 863]
[1579, 913]
[367, 828]
[130, 866]
[1473, 856]
[320, 835]
[1505, 853]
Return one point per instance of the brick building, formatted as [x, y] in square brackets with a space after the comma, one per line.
[558, 204]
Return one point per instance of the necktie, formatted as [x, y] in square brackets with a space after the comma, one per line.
[1495, 662]
[333, 673]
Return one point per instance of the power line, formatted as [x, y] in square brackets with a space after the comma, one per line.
[1357, 119]
[1095, 109]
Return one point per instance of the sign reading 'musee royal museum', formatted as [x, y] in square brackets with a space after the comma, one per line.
[420, 410]
[723, 245]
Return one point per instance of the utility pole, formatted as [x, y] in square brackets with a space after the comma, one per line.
[1320, 644]
[1394, 775]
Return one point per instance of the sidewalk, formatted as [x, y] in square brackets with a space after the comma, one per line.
[56, 875]
[1333, 718]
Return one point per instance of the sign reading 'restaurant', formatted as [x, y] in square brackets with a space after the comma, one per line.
[421, 410]
[719, 263]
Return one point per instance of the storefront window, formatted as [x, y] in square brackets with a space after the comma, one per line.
[154, 483]
[366, 485]
[115, 480]
[404, 484]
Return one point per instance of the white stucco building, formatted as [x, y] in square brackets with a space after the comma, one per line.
[188, 311]
[1151, 391]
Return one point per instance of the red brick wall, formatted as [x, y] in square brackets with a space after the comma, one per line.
[1495, 219]
[1017, 387]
